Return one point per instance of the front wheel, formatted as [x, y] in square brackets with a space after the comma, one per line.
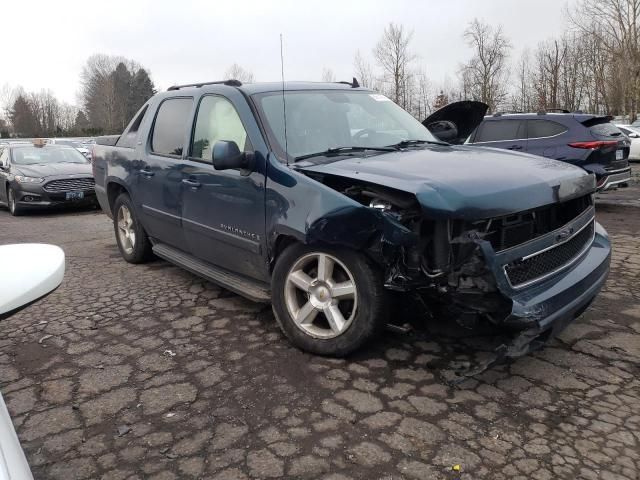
[133, 243]
[12, 203]
[327, 301]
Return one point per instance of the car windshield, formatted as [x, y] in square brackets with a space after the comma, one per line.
[320, 120]
[46, 155]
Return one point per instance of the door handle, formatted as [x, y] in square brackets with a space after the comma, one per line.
[515, 147]
[146, 172]
[191, 183]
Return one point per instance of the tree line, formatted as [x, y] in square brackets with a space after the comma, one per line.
[112, 89]
[593, 66]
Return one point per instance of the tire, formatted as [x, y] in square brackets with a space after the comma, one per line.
[133, 242]
[14, 209]
[363, 312]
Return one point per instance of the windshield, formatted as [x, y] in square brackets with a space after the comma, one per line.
[322, 120]
[46, 155]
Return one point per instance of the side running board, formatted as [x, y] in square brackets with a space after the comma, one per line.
[251, 289]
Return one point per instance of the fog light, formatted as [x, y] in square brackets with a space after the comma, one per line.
[27, 198]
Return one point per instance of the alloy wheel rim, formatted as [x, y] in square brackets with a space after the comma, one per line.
[321, 295]
[126, 232]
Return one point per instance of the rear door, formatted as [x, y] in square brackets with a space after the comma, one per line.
[159, 183]
[223, 211]
[545, 137]
[504, 133]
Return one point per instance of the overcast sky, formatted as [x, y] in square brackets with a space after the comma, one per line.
[46, 42]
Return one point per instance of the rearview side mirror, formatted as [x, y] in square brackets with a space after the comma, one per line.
[444, 130]
[227, 156]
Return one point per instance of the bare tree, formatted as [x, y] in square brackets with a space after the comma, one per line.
[110, 88]
[485, 75]
[236, 72]
[550, 57]
[394, 57]
[422, 96]
[363, 71]
[328, 75]
[616, 26]
[523, 98]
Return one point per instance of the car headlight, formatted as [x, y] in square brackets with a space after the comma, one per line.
[21, 179]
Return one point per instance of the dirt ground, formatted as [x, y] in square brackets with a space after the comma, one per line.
[148, 372]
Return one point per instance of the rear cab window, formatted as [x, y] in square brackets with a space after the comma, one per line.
[170, 126]
[128, 138]
[500, 130]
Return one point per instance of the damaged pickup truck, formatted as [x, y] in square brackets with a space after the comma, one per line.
[324, 199]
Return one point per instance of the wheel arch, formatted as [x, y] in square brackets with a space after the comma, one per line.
[114, 189]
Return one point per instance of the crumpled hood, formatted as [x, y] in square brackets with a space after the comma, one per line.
[467, 182]
[54, 169]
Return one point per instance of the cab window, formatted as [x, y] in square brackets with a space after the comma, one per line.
[500, 130]
[128, 139]
[217, 119]
[170, 126]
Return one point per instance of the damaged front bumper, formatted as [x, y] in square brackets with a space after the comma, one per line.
[542, 310]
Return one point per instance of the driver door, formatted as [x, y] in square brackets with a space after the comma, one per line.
[223, 211]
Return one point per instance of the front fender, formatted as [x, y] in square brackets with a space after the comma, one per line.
[312, 213]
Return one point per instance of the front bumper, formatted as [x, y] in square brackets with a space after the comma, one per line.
[541, 310]
[35, 196]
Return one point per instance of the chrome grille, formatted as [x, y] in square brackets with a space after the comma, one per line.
[543, 264]
[70, 185]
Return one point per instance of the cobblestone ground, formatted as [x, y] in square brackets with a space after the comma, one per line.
[131, 372]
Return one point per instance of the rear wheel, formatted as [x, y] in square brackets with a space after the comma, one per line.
[133, 243]
[12, 203]
[327, 301]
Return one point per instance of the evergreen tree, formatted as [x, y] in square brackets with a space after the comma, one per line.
[81, 124]
[23, 118]
[142, 89]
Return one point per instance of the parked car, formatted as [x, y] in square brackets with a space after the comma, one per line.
[348, 199]
[37, 175]
[633, 134]
[78, 145]
[591, 142]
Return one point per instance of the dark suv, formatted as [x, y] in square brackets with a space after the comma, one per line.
[588, 141]
[344, 204]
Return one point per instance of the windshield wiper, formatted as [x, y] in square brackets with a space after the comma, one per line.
[339, 150]
[408, 143]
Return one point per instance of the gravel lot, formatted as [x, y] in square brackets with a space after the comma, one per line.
[150, 372]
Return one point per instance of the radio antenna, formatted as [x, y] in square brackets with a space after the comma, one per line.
[284, 104]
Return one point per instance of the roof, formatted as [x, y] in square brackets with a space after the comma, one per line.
[533, 115]
[264, 87]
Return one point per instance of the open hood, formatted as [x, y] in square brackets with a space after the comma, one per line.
[465, 115]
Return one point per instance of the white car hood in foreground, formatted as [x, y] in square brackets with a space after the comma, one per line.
[29, 271]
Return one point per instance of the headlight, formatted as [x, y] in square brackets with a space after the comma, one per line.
[21, 179]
